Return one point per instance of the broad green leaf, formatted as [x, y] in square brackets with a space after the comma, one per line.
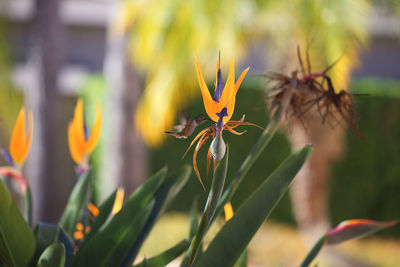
[234, 236]
[248, 162]
[114, 239]
[213, 199]
[53, 256]
[104, 212]
[313, 252]
[46, 234]
[76, 204]
[110, 246]
[165, 257]
[163, 197]
[17, 243]
[176, 181]
[346, 230]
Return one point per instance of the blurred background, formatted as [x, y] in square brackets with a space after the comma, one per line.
[136, 57]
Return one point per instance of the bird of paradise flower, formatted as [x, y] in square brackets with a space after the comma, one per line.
[220, 109]
[20, 143]
[81, 144]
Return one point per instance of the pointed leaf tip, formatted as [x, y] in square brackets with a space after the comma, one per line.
[356, 228]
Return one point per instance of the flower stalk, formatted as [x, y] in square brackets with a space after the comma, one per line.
[210, 208]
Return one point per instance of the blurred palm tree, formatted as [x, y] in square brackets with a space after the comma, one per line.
[165, 36]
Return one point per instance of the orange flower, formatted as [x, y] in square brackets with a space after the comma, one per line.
[20, 142]
[223, 96]
[219, 108]
[19, 149]
[80, 144]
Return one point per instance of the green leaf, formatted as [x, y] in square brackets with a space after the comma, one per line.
[17, 243]
[248, 162]
[165, 257]
[313, 252]
[234, 236]
[163, 197]
[46, 234]
[76, 204]
[346, 230]
[111, 244]
[357, 228]
[53, 256]
[214, 197]
[242, 261]
[175, 182]
[104, 212]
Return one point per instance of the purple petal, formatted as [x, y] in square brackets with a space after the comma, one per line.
[220, 84]
[221, 115]
[7, 157]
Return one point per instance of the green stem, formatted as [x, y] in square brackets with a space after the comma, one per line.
[28, 205]
[213, 199]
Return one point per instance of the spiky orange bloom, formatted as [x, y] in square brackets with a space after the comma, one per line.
[20, 142]
[219, 108]
[80, 145]
[223, 97]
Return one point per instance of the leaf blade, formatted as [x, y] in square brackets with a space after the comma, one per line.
[76, 204]
[234, 236]
[53, 256]
[13, 231]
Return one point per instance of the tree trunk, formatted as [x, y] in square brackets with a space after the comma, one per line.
[44, 62]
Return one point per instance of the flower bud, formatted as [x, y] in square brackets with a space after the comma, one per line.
[218, 147]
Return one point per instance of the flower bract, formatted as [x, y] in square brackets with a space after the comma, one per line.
[20, 140]
[80, 143]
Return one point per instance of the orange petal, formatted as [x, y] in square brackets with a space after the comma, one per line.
[209, 156]
[93, 209]
[233, 131]
[229, 94]
[76, 135]
[209, 104]
[29, 137]
[78, 235]
[78, 124]
[201, 142]
[194, 140]
[95, 133]
[239, 81]
[229, 91]
[228, 211]
[119, 200]
[76, 152]
[231, 102]
[17, 142]
[79, 226]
